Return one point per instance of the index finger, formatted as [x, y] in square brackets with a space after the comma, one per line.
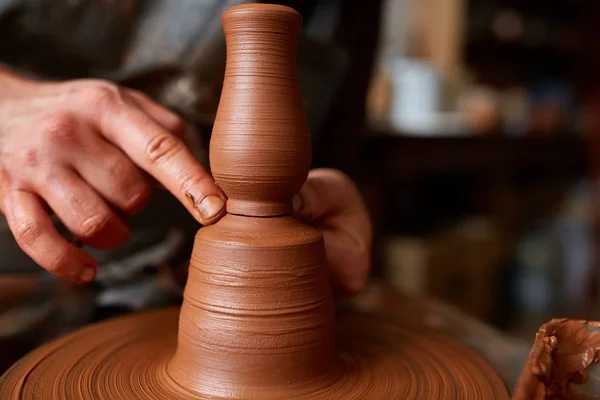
[165, 157]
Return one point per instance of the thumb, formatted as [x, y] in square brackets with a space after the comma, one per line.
[326, 192]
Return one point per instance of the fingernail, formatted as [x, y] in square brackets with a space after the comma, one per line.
[210, 206]
[297, 203]
[88, 274]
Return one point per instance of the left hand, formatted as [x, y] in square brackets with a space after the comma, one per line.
[330, 201]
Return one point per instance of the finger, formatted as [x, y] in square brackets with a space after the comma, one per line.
[330, 200]
[112, 175]
[39, 239]
[327, 192]
[167, 159]
[348, 268]
[82, 211]
[164, 117]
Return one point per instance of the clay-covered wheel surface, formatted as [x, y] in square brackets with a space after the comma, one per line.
[126, 358]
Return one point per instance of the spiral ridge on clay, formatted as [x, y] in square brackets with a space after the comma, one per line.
[258, 309]
[383, 357]
[260, 147]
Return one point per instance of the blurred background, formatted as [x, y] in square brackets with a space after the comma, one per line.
[481, 161]
[472, 128]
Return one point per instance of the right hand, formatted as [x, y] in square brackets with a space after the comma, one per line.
[82, 150]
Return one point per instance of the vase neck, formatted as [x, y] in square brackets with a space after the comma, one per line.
[260, 147]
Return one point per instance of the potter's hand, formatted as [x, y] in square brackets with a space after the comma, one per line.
[330, 201]
[79, 148]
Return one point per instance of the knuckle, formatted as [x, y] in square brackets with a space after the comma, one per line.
[30, 158]
[60, 128]
[162, 148]
[27, 232]
[23, 159]
[73, 198]
[93, 225]
[133, 191]
[58, 261]
[101, 95]
[190, 182]
[117, 169]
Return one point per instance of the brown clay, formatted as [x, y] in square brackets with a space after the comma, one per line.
[260, 149]
[257, 320]
[383, 358]
[257, 310]
[562, 352]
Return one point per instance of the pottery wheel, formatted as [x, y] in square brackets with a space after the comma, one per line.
[126, 359]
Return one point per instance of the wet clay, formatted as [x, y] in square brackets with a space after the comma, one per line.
[257, 310]
[561, 355]
[257, 321]
[381, 356]
[260, 148]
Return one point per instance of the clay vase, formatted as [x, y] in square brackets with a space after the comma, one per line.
[260, 148]
[258, 274]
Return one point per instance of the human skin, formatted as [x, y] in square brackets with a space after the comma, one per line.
[88, 150]
[330, 201]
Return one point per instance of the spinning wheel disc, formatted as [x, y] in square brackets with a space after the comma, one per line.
[126, 358]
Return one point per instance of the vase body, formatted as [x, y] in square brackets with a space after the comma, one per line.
[260, 146]
[257, 312]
